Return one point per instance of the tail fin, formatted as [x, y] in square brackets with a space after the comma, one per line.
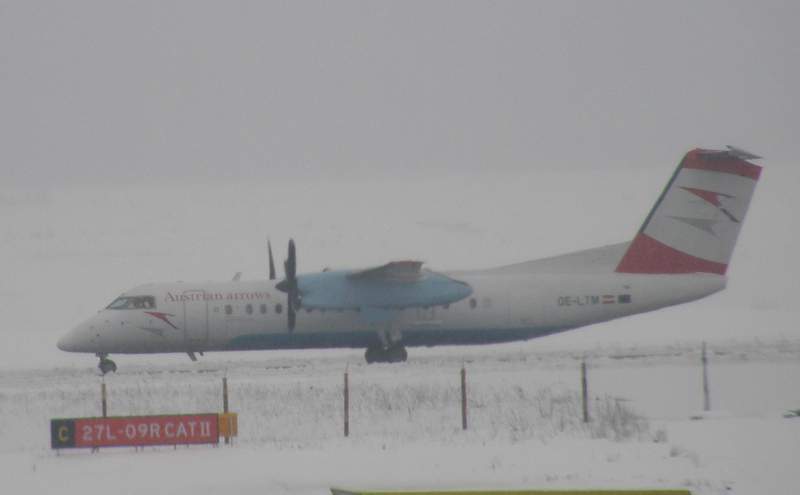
[695, 222]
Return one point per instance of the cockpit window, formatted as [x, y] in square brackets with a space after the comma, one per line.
[135, 302]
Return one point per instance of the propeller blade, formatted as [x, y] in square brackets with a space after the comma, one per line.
[271, 261]
[289, 285]
[290, 312]
[291, 262]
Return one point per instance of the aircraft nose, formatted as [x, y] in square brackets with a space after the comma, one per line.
[67, 342]
[75, 340]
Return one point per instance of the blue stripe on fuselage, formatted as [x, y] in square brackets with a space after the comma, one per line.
[412, 338]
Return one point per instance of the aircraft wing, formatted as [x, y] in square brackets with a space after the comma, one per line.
[395, 271]
[395, 285]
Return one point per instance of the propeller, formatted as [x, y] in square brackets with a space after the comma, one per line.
[289, 285]
[271, 262]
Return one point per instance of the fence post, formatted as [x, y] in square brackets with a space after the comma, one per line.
[225, 402]
[463, 398]
[103, 398]
[103, 405]
[584, 392]
[346, 403]
[706, 393]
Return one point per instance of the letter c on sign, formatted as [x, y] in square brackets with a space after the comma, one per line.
[63, 434]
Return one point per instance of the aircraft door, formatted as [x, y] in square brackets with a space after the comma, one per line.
[195, 320]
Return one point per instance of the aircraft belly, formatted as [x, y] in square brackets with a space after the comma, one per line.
[363, 339]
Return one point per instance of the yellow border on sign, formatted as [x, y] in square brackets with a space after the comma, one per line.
[339, 491]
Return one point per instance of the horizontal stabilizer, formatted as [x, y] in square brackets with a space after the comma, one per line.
[731, 152]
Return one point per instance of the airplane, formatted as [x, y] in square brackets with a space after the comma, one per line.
[680, 254]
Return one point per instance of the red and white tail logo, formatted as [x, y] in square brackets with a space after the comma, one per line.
[694, 225]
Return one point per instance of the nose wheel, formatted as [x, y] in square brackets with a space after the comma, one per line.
[106, 365]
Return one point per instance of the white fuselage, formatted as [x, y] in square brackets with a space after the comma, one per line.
[198, 317]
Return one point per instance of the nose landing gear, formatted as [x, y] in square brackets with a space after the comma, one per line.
[105, 365]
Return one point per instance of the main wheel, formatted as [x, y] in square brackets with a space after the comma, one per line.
[373, 354]
[396, 354]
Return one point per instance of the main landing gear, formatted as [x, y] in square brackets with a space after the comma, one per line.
[395, 353]
[105, 365]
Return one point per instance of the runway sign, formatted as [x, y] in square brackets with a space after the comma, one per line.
[338, 491]
[134, 431]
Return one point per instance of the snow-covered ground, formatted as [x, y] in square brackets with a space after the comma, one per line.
[524, 422]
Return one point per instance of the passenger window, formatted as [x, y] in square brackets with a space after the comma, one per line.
[278, 308]
[228, 309]
[249, 309]
[263, 309]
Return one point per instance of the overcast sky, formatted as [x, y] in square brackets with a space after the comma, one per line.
[171, 91]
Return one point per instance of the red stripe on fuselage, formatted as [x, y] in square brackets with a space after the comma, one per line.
[162, 317]
[647, 255]
[728, 165]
